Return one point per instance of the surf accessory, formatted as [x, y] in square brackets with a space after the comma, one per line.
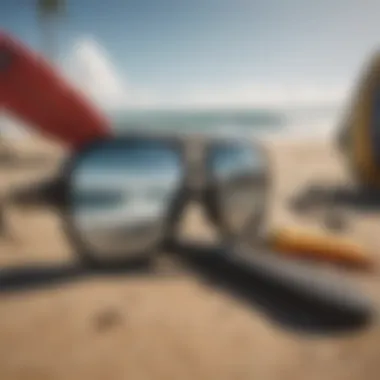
[34, 91]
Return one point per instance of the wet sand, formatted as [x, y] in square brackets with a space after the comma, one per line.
[59, 322]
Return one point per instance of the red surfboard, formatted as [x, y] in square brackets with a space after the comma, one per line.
[33, 90]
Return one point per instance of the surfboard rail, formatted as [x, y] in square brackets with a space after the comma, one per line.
[34, 91]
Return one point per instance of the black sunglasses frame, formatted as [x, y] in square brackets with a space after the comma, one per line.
[198, 184]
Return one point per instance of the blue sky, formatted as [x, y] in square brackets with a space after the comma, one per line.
[176, 47]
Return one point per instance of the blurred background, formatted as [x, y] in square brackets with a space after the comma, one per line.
[227, 66]
[281, 72]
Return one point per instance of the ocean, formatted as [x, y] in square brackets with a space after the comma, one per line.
[281, 123]
[290, 123]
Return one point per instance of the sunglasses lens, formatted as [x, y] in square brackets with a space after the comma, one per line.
[240, 172]
[121, 193]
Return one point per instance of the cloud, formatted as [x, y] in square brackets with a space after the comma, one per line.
[90, 68]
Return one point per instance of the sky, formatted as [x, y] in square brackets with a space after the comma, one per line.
[208, 52]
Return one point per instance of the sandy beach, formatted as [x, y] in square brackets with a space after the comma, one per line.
[57, 323]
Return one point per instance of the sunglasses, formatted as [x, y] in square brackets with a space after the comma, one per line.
[126, 196]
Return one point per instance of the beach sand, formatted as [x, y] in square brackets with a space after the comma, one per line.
[167, 324]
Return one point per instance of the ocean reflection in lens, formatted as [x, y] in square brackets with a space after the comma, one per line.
[240, 173]
[121, 195]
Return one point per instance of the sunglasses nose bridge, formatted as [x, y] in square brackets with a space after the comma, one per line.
[196, 181]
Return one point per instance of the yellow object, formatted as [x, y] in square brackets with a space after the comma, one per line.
[330, 248]
[361, 125]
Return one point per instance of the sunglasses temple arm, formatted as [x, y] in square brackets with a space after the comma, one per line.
[299, 286]
[49, 192]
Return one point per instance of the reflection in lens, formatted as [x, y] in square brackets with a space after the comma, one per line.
[121, 195]
[240, 172]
